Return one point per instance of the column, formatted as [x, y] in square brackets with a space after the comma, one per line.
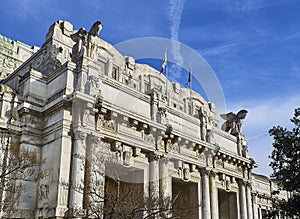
[78, 158]
[255, 207]
[89, 186]
[214, 196]
[205, 194]
[249, 201]
[260, 212]
[4, 154]
[243, 202]
[154, 175]
[163, 176]
[165, 185]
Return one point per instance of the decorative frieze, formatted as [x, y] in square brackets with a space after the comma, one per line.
[127, 155]
[149, 139]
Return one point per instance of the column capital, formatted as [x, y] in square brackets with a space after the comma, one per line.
[242, 182]
[212, 173]
[248, 184]
[80, 135]
[205, 171]
[165, 160]
[94, 139]
[154, 157]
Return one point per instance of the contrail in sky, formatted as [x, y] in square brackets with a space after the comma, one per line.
[174, 16]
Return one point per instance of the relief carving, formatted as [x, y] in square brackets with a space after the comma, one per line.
[149, 138]
[172, 147]
[219, 163]
[93, 85]
[186, 173]
[63, 197]
[43, 191]
[117, 146]
[160, 143]
[85, 117]
[110, 125]
[127, 155]
[209, 159]
[100, 122]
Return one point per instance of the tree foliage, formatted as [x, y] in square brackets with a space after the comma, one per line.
[286, 162]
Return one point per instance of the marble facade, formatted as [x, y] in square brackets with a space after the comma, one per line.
[77, 96]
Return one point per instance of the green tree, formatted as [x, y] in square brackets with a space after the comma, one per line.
[286, 163]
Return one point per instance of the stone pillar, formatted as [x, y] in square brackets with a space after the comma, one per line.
[249, 201]
[92, 141]
[214, 196]
[163, 177]
[259, 210]
[255, 207]
[165, 185]
[205, 194]
[98, 178]
[78, 157]
[154, 175]
[4, 154]
[243, 201]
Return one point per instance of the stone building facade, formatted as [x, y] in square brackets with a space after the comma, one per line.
[77, 96]
[12, 55]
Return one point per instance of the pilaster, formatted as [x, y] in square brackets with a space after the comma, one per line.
[205, 194]
[163, 176]
[255, 206]
[92, 141]
[214, 196]
[249, 201]
[243, 200]
[154, 175]
[77, 178]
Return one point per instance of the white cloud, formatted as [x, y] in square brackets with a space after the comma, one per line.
[250, 5]
[174, 15]
[220, 49]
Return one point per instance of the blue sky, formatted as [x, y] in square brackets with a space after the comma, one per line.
[253, 46]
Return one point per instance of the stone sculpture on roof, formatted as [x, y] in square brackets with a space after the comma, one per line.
[233, 123]
[85, 42]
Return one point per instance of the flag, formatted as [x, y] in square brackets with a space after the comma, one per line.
[190, 76]
[164, 63]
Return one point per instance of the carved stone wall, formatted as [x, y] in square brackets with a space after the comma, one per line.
[12, 55]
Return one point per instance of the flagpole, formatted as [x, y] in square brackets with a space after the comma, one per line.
[191, 84]
[167, 76]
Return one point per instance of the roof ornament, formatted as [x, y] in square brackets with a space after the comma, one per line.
[233, 123]
[85, 43]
